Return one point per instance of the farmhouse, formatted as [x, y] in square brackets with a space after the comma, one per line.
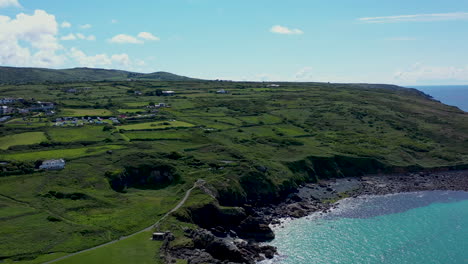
[5, 118]
[168, 93]
[222, 91]
[72, 90]
[47, 105]
[160, 236]
[53, 165]
[42, 106]
[5, 110]
[9, 100]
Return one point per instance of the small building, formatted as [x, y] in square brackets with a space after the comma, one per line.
[168, 93]
[114, 120]
[53, 165]
[5, 118]
[72, 90]
[273, 85]
[42, 106]
[222, 91]
[159, 236]
[5, 110]
[7, 100]
[138, 93]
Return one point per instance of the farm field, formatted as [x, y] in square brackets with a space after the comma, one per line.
[28, 138]
[85, 133]
[69, 153]
[80, 112]
[120, 177]
[155, 125]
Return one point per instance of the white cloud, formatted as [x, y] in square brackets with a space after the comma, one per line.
[80, 36]
[285, 30]
[70, 36]
[304, 74]
[8, 3]
[86, 26]
[65, 24]
[30, 40]
[114, 21]
[123, 38]
[419, 72]
[148, 36]
[104, 60]
[416, 18]
[121, 59]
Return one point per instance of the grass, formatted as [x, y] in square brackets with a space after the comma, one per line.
[59, 153]
[131, 111]
[28, 138]
[79, 112]
[158, 135]
[155, 125]
[28, 123]
[137, 249]
[85, 133]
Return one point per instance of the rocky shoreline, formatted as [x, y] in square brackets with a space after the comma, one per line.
[241, 243]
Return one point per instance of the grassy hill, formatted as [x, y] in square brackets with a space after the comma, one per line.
[251, 146]
[12, 75]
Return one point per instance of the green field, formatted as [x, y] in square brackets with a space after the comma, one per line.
[79, 112]
[155, 125]
[28, 123]
[300, 132]
[28, 138]
[137, 249]
[131, 111]
[85, 133]
[160, 134]
[59, 153]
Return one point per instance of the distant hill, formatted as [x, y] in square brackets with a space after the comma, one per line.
[14, 75]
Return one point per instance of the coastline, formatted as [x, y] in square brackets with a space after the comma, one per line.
[310, 198]
[322, 196]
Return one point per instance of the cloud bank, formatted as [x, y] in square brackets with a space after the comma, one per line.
[416, 18]
[285, 30]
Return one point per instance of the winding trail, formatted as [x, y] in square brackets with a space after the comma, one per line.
[180, 204]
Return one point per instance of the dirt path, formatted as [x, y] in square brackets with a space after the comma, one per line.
[180, 204]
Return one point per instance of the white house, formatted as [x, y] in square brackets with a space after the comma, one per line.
[168, 93]
[222, 91]
[53, 164]
[5, 110]
[7, 100]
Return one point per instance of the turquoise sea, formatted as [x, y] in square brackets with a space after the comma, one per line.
[420, 227]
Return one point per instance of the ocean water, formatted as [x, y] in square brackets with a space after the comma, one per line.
[456, 95]
[420, 227]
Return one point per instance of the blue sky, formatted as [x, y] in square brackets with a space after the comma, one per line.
[401, 42]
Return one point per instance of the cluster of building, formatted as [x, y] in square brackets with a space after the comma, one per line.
[4, 118]
[58, 164]
[75, 121]
[222, 91]
[156, 106]
[168, 93]
[77, 90]
[37, 106]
